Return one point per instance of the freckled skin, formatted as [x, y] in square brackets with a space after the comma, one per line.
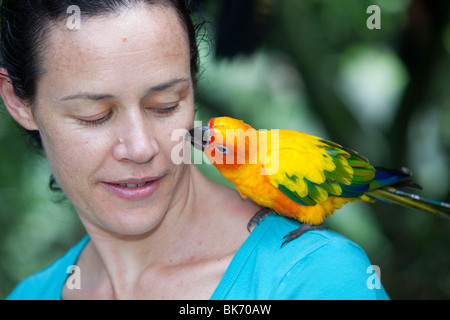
[97, 112]
[114, 64]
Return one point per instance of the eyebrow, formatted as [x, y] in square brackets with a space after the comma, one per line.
[96, 97]
[166, 85]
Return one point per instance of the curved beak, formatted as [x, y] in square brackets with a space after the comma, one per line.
[200, 137]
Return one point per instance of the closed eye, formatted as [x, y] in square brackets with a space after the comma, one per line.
[165, 111]
[96, 122]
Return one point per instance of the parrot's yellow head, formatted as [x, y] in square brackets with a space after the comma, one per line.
[226, 141]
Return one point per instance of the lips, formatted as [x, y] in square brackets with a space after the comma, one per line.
[133, 189]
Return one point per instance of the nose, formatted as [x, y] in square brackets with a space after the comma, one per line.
[136, 141]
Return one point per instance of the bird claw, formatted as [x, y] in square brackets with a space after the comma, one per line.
[261, 214]
[298, 232]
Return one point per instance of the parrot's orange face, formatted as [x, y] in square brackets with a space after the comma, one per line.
[226, 141]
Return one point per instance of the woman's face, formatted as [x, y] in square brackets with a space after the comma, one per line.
[111, 95]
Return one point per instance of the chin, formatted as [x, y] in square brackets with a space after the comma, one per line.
[126, 222]
[139, 221]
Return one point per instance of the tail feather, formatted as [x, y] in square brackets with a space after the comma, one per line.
[388, 177]
[406, 199]
[394, 186]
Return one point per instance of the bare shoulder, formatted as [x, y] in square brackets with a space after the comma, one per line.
[230, 212]
[224, 201]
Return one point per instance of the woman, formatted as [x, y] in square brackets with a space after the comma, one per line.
[104, 99]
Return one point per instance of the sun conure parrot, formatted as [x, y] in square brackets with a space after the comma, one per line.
[301, 176]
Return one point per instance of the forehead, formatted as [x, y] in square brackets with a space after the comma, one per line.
[142, 39]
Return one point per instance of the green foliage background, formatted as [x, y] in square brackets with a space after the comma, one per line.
[316, 68]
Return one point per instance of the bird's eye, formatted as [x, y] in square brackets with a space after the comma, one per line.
[222, 149]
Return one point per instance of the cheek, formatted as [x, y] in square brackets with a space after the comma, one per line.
[173, 130]
[64, 146]
[66, 159]
[171, 147]
[70, 155]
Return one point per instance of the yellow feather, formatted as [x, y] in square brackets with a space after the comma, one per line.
[299, 157]
[298, 175]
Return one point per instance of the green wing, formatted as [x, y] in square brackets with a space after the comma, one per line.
[312, 169]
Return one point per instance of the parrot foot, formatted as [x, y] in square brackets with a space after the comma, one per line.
[261, 214]
[298, 232]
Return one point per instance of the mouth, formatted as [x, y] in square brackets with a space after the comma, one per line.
[200, 137]
[133, 185]
[133, 189]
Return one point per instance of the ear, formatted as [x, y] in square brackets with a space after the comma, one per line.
[15, 106]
